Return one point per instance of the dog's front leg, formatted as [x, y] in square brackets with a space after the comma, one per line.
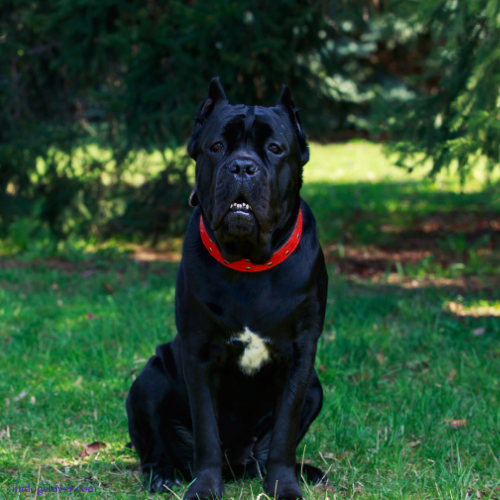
[281, 478]
[201, 385]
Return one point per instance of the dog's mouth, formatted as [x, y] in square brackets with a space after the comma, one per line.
[239, 220]
[240, 205]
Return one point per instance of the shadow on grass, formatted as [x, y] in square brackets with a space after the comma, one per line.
[403, 215]
[409, 228]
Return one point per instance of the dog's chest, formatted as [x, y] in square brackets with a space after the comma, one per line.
[255, 353]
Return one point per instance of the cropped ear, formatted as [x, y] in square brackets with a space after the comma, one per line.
[215, 96]
[287, 103]
[193, 199]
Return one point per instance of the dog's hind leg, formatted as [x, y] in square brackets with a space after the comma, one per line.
[159, 427]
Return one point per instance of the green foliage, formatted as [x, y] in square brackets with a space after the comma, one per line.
[125, 78]
[454, 116]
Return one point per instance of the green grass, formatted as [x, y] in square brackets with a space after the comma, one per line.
[396, 365]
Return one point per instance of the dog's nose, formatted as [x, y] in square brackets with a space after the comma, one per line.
[242, 167]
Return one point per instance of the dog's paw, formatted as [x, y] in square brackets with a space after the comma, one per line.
[282, 484]
[159, 483]
[207, 486]
[311, 474]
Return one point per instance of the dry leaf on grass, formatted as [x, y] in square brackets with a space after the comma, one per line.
[4, 433]
[380, 357]
[455, 307]
[478, 331]
[413, 444]
[78, 381]
[356, 377]
[20, 396]
[108, 288]
[91, 316]
[456, 423]
[452, 374]
[94, 447]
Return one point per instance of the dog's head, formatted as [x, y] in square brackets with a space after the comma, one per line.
[249, 163]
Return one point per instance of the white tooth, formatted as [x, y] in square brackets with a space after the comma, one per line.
[239, 205]
[248, 206]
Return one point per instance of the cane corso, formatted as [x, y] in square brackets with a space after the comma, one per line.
[236, 390]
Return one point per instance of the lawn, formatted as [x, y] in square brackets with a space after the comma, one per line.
[409, 357]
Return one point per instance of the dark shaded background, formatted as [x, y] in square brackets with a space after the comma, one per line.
[126, 76]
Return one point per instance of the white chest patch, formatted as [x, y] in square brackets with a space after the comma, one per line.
[256, 352]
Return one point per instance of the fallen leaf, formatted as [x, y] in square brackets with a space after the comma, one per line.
[355, 377]
[33, 400]
[55, 286]
[414, 443]
[380, 357]
[60, 303]
[452, 374]
[21, 395]
[94, 447]
[108, 288]
[4, 432]
[478, 494]
[455, 307]
[456, 423]
[78, 381]
[8, 339]
[322, 368]
[478, 331]
[91, 316]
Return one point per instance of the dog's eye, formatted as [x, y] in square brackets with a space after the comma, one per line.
[275, 149]
[217, 147]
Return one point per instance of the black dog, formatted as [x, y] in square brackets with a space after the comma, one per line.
[236, 390]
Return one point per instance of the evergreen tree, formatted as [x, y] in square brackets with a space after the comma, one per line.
[454, 115]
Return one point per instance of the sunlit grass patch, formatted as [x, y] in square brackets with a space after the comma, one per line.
[363, 161]
[475, 308]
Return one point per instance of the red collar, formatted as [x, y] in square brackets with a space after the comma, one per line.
[245, 265]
